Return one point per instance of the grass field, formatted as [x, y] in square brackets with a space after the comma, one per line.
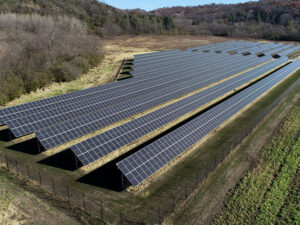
[265, 193]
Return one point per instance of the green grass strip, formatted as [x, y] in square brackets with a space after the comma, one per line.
[290, 212]
[244, 204]
[279, 190]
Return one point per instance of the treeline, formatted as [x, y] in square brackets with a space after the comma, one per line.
[269, 19]
[102, 19]
[37, 50]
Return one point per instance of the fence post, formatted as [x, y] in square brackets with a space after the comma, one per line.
[215, 161]
[40, 178]
[101, 204]
[6, 159]
[28, 171]
[17, 167]
[68, 194]
[83, 200]
[173, 203]
[53, 185]
[223, 156]
[159, 215]
[186, 189]
[121, 219]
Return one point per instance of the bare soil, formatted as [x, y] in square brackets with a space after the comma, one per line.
[19, 205]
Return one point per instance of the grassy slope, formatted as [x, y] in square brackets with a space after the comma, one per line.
[262, 192]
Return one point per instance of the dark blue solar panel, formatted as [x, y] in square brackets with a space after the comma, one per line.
[53, 136]
[144, 163]
[123, 135]
[34, 122]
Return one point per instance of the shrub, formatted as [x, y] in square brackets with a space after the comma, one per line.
[38, 50]
[65, 72]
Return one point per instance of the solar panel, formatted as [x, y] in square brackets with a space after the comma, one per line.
[62, 100]
[41, 105]
[289, 51]
[110, 141]
[31, 123]
[138, 67]
[147, 161]
[53, 136]
[159, 58]
[10, 113]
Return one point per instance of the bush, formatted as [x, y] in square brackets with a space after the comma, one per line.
[65, 72]
[82, 63]
[41, 49]
[10, 88]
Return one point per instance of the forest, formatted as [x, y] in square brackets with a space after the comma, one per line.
[268, 19]
[36, 50]
[102, 19]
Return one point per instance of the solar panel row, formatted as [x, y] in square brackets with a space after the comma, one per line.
[61, 133]
[30, 108]
[36, 121]
[176, 65]
[110, 141]
[25, 109]
[138, 62]
[158, 79]
[147, 161]
[280, 49]
[289, 51]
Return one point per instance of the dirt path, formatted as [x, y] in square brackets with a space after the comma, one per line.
[209, 201]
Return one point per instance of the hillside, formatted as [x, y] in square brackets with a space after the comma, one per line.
[269, 19]
[101, 18]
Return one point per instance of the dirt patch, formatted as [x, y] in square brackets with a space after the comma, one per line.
[213, 196]
[18, 205]
[164, 42]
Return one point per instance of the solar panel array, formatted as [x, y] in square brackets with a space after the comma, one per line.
[110, 141]
[166, 86]
[53, 136]
[144, 163]
[31, 123]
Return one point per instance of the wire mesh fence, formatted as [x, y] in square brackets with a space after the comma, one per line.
[170, 201]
